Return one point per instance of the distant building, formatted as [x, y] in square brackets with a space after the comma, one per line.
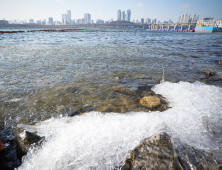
[73, 21]
[154, 21]
[195, 17]
[123, 16]
[50, 22]
[119, 15]
[64, 19]
[79, 21]
[107, 22]
[142, 20]
[31, 21]
[3, 22]
[128, 15]
[68, 17]
[57, 23]
[170, 21]
[99, 21]
[83, 20]
[43, 22]
[208, 19]
[111, 20]
[39, 22]
[148, 20]
[87, 18]
[92, 22]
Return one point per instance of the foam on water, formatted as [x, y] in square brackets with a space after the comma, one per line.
[103, 141]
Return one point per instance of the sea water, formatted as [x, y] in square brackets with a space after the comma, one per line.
[39, 69]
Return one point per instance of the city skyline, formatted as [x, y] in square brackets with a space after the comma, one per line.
[100, 9]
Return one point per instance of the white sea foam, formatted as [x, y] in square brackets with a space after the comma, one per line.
[102, 141]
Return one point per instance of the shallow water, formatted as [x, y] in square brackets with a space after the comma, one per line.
[49, 74]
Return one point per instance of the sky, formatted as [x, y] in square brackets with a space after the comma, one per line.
[106, 9]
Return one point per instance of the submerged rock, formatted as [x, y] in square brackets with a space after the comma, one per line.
[150, 101]
[209, 73]
[155, 152]
[124, 90]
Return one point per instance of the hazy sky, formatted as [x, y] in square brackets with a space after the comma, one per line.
[107, 9]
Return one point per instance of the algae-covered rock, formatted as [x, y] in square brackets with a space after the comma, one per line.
[150, 101]
[124, 90]
[155, 152]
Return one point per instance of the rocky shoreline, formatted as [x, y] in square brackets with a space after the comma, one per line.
[155, 152]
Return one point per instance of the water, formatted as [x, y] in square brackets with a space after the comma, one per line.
[49, 74]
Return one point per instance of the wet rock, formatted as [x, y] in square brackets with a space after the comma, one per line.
[124, 90]
[88, 108]
[155, 152]
[72, 90]
[26, 138]
[150, 101]
[209, 73]
[9, 158]
[219, 61]
[190, 158]
[75, 113]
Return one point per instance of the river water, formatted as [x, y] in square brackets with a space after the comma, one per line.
[47, 75]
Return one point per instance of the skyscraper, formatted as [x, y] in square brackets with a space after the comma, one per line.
[195, 17]
[119, 15]
[142, 20]
[123, 16]
[128, 15]
[50, 21]
[87, 18]
[148, 20]
[69, 16]
[64, 19]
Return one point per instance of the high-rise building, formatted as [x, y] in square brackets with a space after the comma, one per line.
[195, 17]
[123, 16]
[31, 21]
[128, 15]
[69, 17]
[187, 18]
[148, 20]
[154, 21]
[64, 19]
[142, 20]
[50, 22]
[119, 15]
[99, 21]
[87, 18]
[43, 22]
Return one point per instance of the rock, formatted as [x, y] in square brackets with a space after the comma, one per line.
[77, 112]
[219, 61]
[124, 90]
[190, 158]
[9, 158]
[209, 73]
[72, 90]
[155, 152]
[88, 108]
[150, 101]
[26, 137]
